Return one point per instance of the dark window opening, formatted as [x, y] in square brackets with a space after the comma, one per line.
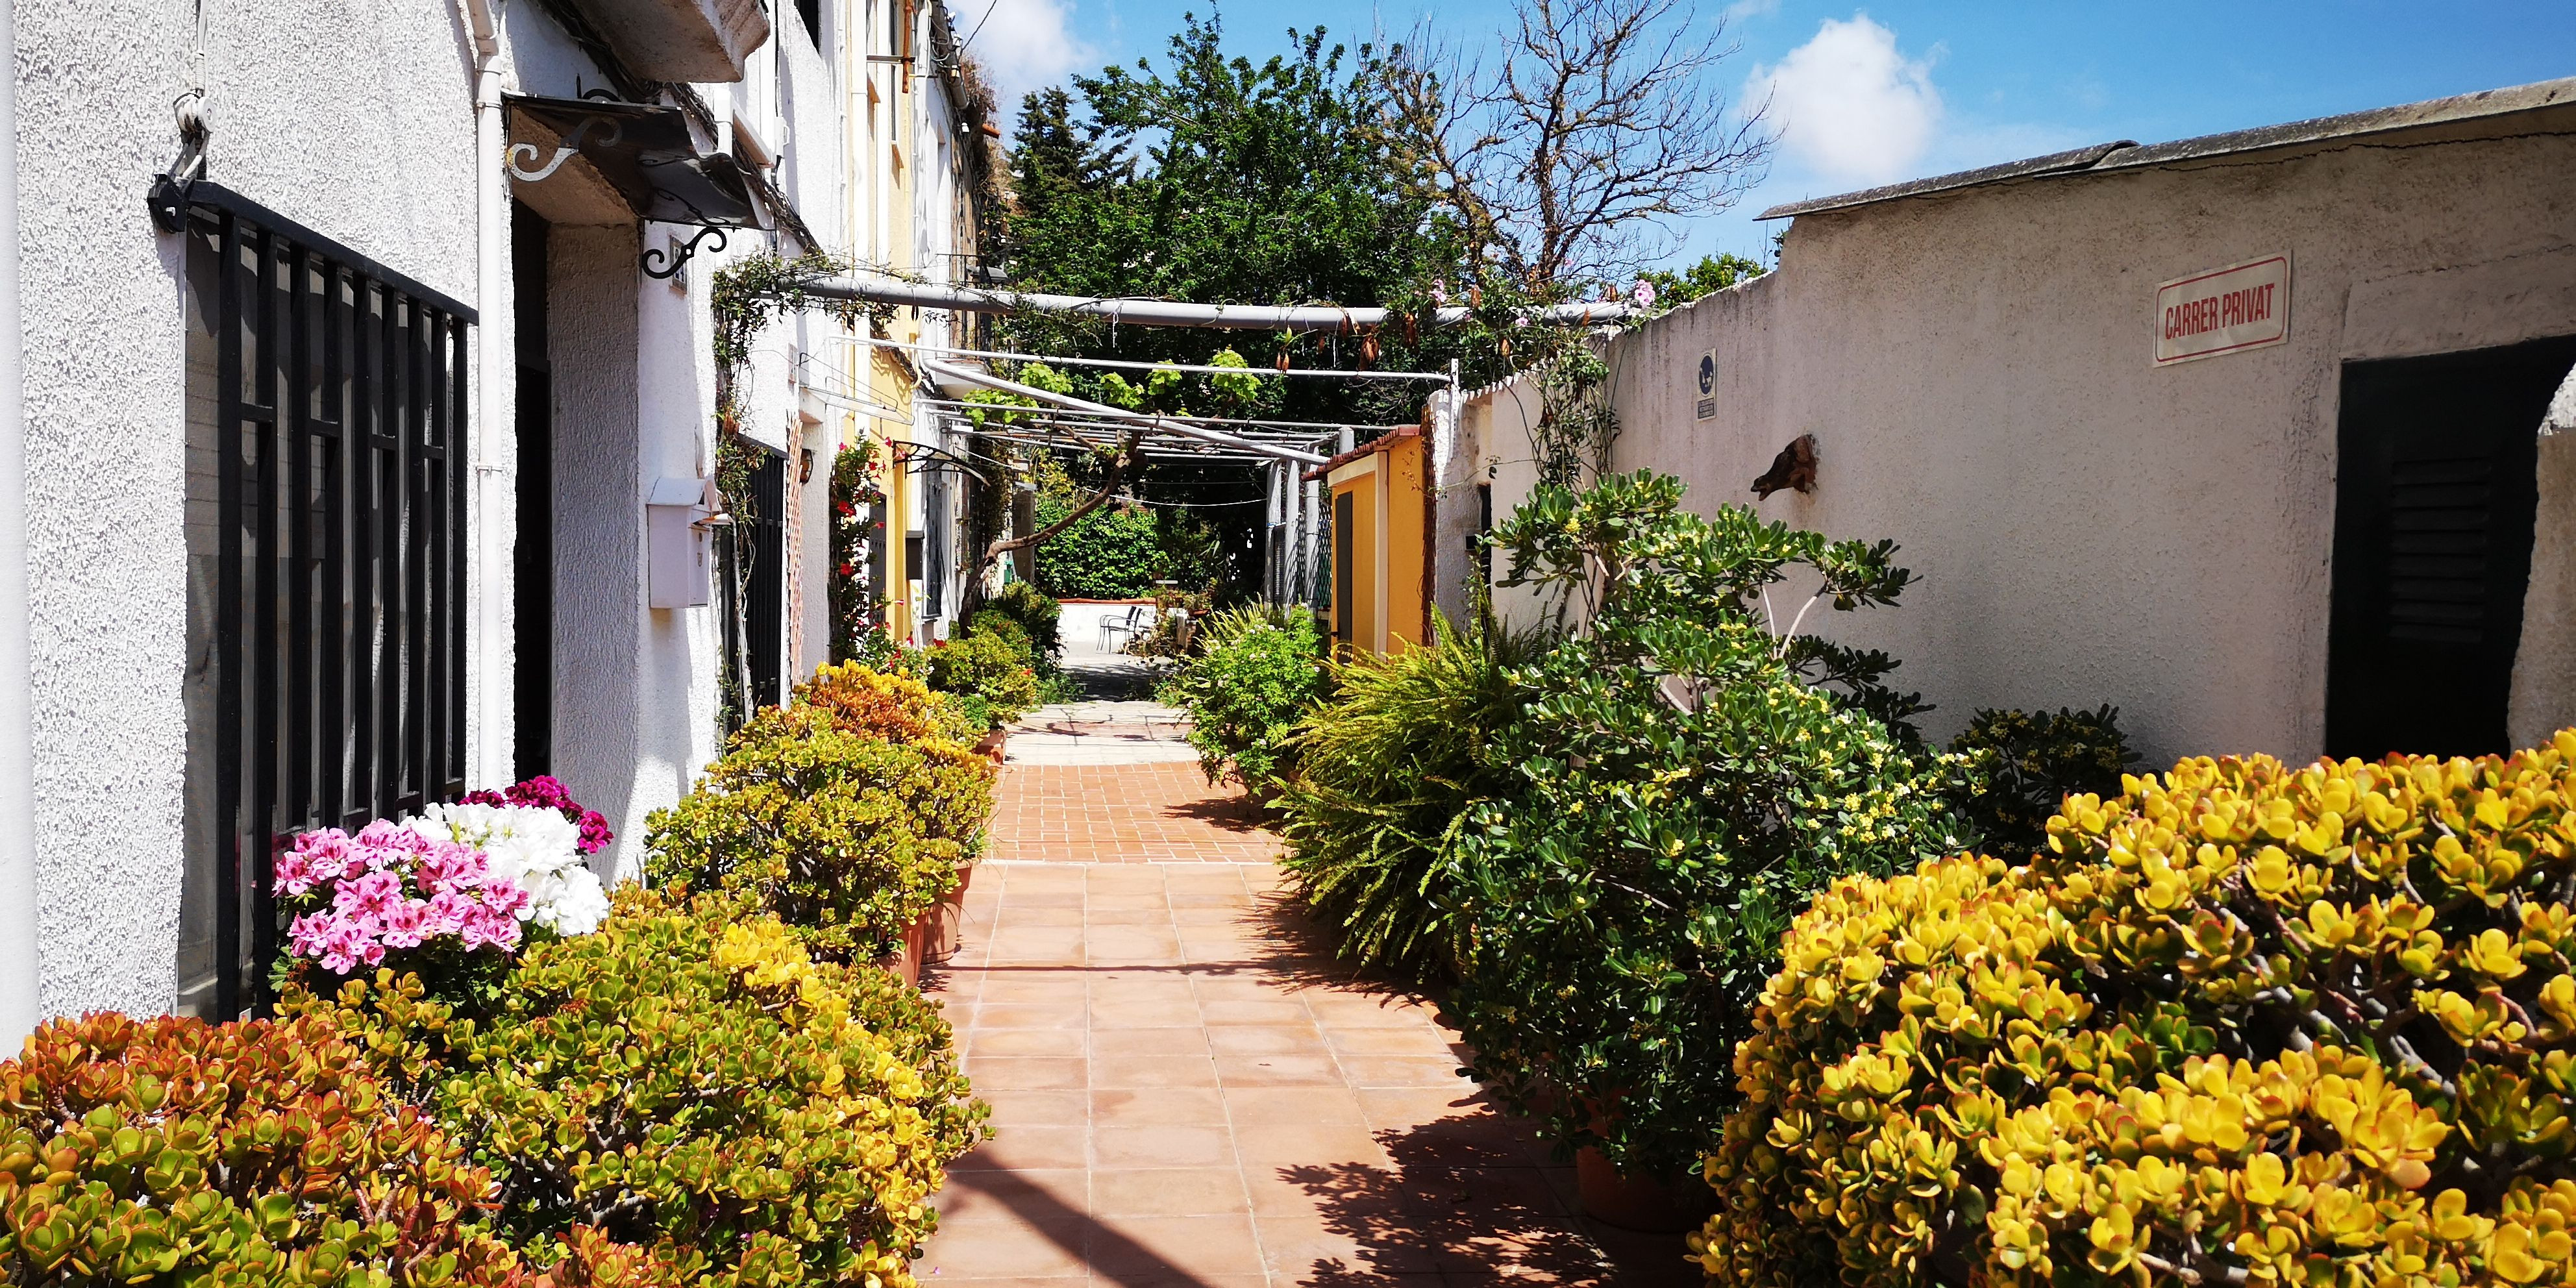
[765, 600]
[324, 519]
[1480, 548]
[2434, 498]
[812, 12]
[533, 565]
[751, 590]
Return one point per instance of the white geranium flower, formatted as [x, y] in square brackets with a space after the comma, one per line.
[537, 848]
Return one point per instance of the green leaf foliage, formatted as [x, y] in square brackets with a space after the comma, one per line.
[688, 1080]
[1037, 615]
[992, 667]
[173, 1151]
[1387, 770]
[849, 838]
[1687, 777]
[1114, 552]
[1260, 673]
[2021, 767]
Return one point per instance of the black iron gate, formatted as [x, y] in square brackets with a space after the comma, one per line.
[327, 416]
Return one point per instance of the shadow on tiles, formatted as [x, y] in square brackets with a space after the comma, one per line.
[1465, 1199]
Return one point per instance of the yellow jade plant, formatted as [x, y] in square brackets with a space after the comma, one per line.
[2243, 1024]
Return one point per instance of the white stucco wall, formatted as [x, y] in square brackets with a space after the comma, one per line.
[354, 120]
[357, 121]
[1975, 367]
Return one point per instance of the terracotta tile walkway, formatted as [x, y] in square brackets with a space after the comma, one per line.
[1149, 813]
[1187, 1093]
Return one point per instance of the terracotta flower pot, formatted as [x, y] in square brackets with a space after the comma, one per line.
[907, 960]
[948, 919]
[1659, 1204]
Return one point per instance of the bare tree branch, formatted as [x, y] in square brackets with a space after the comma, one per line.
[1119, 463]
[1568, 155]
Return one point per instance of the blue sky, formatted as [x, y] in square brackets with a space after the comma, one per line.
[1893, 90]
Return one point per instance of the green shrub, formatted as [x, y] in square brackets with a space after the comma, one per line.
[1386, 771]
[988, 667]
[1001, 626]
[1261, 672]
[2021, 767]
[1684, 784]
[848, 838]
[687, 1080]
[1114, 552]
[1039, 616]
[176, 1151]
[2245, 1023]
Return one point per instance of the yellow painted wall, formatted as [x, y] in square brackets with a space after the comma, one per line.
[1385, 548]
[1404, 520]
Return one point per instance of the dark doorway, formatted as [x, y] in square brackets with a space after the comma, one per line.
[1342, 554]
[765, 596]
[2434, 499]
[533, 566]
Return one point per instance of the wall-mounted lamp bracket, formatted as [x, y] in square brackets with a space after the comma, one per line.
[680, 254]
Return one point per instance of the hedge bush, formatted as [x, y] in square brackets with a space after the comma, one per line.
[690, 1082]
[849, 838]
[987, 668]
[1114, 552]
[175, 1151]
[1261, 672]
[1037, 614]
[1686, 774]
[2244, 1023]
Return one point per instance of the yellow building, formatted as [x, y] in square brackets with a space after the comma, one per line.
[1381, 601]
[918, 147]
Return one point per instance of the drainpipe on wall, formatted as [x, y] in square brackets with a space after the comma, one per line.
[19, 961]
[491, 656]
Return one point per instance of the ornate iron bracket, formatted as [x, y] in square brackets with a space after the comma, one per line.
[679, 258]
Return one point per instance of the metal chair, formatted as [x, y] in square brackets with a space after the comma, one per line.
[1130, 626]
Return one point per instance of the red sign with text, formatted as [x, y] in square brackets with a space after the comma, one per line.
[2245, 306]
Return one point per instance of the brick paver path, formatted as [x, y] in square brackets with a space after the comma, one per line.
[1187, 1093]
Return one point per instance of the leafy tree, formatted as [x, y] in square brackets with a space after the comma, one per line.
[1713, 273]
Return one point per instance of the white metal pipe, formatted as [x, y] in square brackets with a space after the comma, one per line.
[21, 966]
[1132, 365]
[973, 377]
[492, 653]
[1308, 318]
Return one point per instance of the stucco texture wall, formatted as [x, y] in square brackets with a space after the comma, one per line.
[1976, 370]
[355, 120]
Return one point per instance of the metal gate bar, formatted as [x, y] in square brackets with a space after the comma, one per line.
[340, 397]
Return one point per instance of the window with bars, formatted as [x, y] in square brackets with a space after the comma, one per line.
[325, 519]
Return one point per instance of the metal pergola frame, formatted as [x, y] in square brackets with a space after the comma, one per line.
[1288, 452]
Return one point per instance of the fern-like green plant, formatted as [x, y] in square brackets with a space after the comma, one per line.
[1388, 769]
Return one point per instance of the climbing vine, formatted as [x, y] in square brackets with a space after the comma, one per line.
[857, 489]
[1576, 424]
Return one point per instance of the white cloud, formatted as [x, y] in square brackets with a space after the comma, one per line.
[1850, 106]
[1743, 9]
[1024, 45]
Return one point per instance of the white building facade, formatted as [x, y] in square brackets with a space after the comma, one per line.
[2241, 434]
[368, 461]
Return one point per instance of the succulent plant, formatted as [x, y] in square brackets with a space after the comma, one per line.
[2245, 1023]
[688, 1094]
[258, 1152]
[848, 837]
